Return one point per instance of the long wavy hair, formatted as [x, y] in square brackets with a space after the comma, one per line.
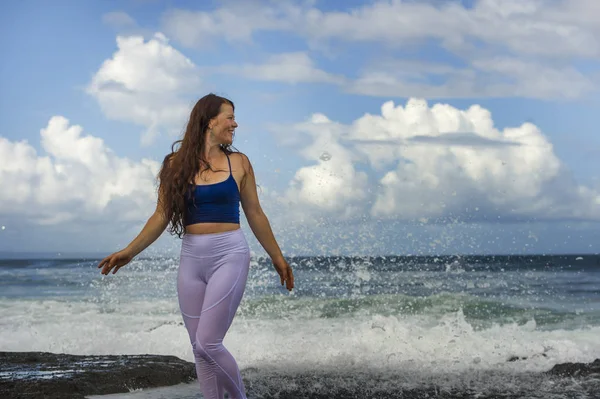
[180, 167]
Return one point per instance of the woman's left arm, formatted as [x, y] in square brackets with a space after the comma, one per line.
[260, 224]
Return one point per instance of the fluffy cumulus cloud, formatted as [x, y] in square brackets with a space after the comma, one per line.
[498, 47]
[434, 164]
[77, 178]
[331, 176]
[147, 82]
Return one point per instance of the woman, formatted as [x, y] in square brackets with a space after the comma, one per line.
[201, 186]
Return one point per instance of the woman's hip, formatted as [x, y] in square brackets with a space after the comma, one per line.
[212, 245]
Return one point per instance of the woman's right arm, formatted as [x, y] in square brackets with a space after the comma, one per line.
[154, 227]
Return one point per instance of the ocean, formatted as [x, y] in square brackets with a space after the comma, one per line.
[486, 323]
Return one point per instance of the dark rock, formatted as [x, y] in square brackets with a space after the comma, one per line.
[516, 358]
[35, 375]
[354, 382]
[576, 369]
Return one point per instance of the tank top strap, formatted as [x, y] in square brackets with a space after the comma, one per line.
[229, 162]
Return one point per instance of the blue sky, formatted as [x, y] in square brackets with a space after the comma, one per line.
[453, 127]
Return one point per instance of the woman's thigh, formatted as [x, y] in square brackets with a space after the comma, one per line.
[223, 294]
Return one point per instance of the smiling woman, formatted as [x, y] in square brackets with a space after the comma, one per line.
[201, 186]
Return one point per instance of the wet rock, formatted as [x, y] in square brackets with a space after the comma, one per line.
[35, 375]
[286, 381]
[576, 369]
[516, 358]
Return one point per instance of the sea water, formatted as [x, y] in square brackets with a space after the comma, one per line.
[427, 318]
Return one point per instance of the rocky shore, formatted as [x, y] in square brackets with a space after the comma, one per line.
[34, 375]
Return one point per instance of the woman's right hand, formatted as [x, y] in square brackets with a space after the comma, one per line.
[116, 261]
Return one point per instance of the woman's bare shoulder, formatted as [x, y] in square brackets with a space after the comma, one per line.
[241, 160]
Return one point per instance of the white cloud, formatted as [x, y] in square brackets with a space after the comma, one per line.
[293, 68]
[76, 179]
[530, 79]
[492, 77]
[563, 28]
[118, 20]
[125, 25]
[435, 163]
[148, 83]
[508, 47]
[528, 27]
[234, 23]
[332, 184]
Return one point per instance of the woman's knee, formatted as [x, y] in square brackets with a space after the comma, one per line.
[206, 347]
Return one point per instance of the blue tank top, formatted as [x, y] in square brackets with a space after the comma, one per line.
[214, 203]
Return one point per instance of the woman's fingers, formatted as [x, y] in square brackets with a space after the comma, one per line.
[114, 262]
[290, 279]
[108, 263]
[106, 267]
[287, 276]
[103, 261]
[284, 277]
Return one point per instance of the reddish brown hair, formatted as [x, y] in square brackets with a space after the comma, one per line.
[179, 168]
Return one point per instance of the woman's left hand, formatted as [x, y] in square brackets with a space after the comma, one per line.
[285, 272]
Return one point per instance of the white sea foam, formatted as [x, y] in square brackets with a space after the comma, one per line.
[421, 342]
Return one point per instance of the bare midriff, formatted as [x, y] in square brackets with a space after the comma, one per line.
[210, 228]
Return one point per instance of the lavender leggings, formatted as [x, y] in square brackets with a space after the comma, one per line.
[212, 275]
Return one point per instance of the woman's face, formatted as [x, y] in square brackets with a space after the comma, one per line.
[223, 125]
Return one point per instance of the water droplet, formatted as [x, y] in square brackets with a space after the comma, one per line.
[325, 156]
